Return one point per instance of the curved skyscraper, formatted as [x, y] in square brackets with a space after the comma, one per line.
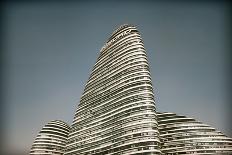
[51, 139]
[116, 113]
[183, 135]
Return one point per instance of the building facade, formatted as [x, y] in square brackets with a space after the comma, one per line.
[117, 113]
[52, 139]
[183, 135]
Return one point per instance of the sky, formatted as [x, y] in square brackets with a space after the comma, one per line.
[49, 49]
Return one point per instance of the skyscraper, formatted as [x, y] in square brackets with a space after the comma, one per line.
[51, 139]
[117, 113]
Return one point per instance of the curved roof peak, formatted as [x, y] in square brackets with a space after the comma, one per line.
[122, 27]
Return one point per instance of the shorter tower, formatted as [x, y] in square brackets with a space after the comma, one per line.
[51, 139]
[183, 135]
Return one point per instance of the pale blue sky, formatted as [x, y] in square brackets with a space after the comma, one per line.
[50, 49]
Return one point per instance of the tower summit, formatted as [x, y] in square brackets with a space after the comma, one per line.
[117, 113]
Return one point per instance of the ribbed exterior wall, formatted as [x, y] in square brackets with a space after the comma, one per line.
[116, 113]
[183, 135]
[51, 139]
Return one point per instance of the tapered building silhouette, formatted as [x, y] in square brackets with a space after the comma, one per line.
[52, 139]
[116, 113]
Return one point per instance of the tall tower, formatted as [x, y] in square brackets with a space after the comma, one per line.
[117, 113]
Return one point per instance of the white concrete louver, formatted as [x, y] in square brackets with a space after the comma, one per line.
[116, 113]
[51, 139]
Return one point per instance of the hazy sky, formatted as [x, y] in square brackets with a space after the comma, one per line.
[50, 49]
